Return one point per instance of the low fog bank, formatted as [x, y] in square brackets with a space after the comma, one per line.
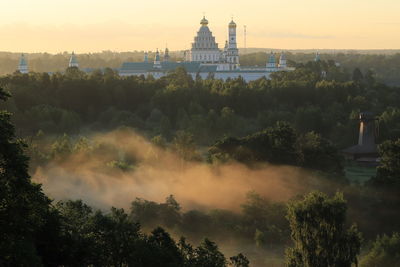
[158, 172]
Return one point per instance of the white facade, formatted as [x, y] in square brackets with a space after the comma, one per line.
[205, 49]
[205, 58]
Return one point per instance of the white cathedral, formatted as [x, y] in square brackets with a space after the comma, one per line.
[204, 58]
[205, 50]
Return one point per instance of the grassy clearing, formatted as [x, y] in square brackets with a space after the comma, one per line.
[359, 174]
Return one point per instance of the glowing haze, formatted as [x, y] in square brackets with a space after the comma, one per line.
[126, 25]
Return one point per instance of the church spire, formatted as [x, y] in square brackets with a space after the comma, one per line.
[157, 63]
[282, 61]
[22, 65]
[317, 57]
[166, 55]
[73, 62]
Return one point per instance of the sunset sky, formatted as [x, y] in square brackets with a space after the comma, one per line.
[126, 25]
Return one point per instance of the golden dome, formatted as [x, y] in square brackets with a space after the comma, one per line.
[204, 21]
[232, 24]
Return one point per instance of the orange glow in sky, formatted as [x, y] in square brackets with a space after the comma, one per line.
[126, 25]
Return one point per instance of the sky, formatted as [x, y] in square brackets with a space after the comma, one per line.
[125, 25]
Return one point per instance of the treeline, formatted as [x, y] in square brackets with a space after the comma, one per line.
[384, 65]
[329, 104]
[45, 62]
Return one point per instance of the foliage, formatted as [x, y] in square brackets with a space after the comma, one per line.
[207, 109]
[317, 224]
[239, 261]
[24, 209]
[33, 233]
[388, 172]
[319, 153]
[281, 144]
[385, 251]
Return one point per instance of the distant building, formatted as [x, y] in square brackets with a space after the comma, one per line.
[317, 57]
[366, 150]
[205, 58]
[282, 61]
[73, 62]
[23, 65]
[166, 55]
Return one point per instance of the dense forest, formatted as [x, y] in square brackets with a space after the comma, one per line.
[290, 128]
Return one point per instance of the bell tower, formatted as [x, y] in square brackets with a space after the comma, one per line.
[232, 54]
[232, 35]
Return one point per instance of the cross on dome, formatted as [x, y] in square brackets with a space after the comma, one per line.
[204, 21]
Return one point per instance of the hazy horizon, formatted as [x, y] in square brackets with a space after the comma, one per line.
[95, 26]
[242, 50]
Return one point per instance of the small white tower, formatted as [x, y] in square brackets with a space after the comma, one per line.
[317, 57]
[271, 64]
[233, 51]
[73, 62]
[282, 61]
[146, 57]
[157, 63]
[22, 65]
[232, 35]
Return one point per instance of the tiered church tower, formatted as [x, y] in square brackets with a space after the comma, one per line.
[22, 65]
[204, 49]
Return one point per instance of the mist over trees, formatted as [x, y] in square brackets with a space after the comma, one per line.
[301, 119]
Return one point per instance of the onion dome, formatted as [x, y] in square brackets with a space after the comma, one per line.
[204, 21]
[232, 24]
